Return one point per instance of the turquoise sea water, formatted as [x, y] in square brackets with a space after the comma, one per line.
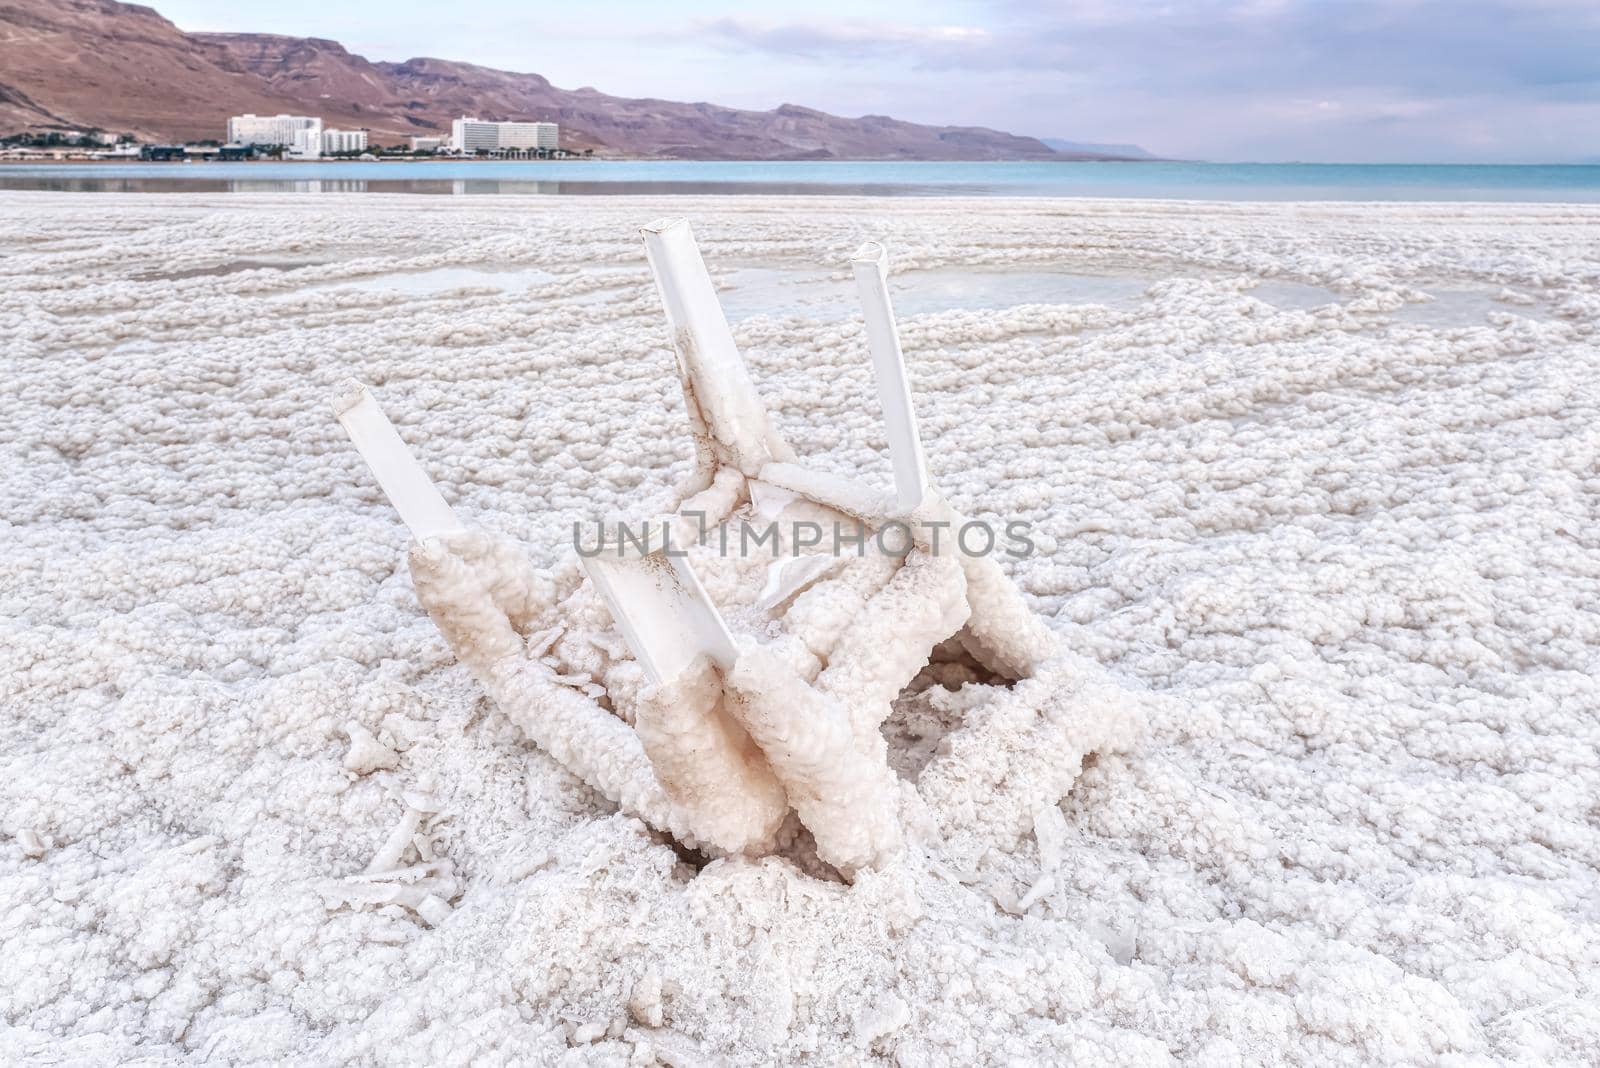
[1199, 181]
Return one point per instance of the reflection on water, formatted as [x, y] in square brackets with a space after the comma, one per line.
[472, 186]
[776, 291]
[184, 184]
[1465, 307]
[1292, 296]
[1205, 181]
[751, 291]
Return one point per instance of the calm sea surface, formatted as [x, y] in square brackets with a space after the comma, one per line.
[1203, 181]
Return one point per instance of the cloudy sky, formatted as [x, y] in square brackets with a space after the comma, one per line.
[1363, 80]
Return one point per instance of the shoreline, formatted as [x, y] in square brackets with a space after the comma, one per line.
[1064, 181]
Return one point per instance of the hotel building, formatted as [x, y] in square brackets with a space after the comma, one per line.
[337, 141]
[276, 130]
[470, 135]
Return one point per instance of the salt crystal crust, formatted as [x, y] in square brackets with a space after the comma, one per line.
[1345, 534]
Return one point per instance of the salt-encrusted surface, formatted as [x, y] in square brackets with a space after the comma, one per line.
[1354, 551]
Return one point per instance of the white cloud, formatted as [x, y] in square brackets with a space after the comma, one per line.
[1375, 78]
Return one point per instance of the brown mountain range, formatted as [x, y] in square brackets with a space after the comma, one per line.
[76, 64]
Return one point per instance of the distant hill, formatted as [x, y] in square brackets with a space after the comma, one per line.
[1095, 150]
[77, 64]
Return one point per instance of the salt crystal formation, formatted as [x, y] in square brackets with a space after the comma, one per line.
[1323, 478]
[720, 754]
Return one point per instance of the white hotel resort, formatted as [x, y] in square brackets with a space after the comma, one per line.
[470, 136]
[304, 137]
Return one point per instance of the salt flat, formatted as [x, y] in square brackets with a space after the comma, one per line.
[1346, 537]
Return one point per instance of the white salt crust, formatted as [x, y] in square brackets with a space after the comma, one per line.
[1354, 558]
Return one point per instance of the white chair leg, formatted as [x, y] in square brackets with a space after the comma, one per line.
[663, 612]
[403, 480]
[889, 370]
[716, 384]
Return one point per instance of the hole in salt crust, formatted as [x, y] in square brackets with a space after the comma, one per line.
[925, 711]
